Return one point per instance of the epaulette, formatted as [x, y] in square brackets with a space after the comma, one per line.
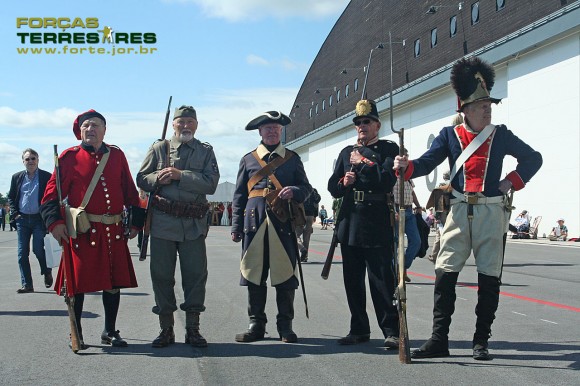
[114, 146]
[70, 150]
[388, 140]
[207, 145]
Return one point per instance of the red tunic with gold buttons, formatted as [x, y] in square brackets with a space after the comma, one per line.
[100, 257]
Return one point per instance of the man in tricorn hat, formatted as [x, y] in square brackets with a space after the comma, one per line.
[479, 215]
[179, 172]
[269, 177]
[363, 177]
[100, 258]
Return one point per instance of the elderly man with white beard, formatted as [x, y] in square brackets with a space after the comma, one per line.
[179, 172]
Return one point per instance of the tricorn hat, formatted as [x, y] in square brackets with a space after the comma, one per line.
[185, 111]
[366, 108]
[83, 117]
[268, 117]
[472, 80]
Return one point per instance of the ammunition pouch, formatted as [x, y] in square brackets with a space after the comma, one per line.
[180, 208]
[280, 209]
[77, 221]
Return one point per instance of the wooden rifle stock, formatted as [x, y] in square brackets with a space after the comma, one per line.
[330, 256]
[149, 211]
[66, 261]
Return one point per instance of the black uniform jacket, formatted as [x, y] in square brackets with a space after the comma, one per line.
[366, 221]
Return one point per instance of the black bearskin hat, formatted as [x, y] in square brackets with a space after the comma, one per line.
[472, 80]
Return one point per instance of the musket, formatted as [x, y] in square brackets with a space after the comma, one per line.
[334, 241]
[148, 210]
[401, 291]
[293, 235]
[69, 298]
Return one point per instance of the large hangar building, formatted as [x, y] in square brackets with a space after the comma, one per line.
[534, 46]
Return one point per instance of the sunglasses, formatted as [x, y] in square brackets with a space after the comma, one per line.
[362, 122]
[30, 159]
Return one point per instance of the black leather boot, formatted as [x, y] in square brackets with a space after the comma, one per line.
[256, 311]
[444, 306]
[166, 335]
[192, 335]
[285, 302]
[165, 338]
[487, 303]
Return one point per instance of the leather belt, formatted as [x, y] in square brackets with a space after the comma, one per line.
[362, 196]
[475, 198]
[107, 219]
[259, 192]
[180, 208]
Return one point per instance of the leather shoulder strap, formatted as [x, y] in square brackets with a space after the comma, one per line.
[95, 179]
[268, 170]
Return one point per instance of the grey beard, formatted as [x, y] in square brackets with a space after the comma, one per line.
[185, 137]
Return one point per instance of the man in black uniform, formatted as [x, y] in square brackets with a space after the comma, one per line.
[364, 177]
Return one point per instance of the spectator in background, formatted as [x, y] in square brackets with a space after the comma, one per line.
[303, 232]
[559, 232]
[3, 212]
[26, 190]
[323, 216]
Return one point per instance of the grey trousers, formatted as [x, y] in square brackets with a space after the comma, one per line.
[193, 265]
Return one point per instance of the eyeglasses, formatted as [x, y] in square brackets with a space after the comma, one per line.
[30, 159]
[362, 122]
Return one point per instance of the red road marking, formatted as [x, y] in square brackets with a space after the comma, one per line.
[524, 298]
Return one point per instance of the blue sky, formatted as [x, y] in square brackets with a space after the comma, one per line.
[230, 59]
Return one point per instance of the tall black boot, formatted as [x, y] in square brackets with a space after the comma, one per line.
[443, 308]
[256, 311]
[285, 302]
[487, 302]
[111, 302]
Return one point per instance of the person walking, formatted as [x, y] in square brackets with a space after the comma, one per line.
[26, 190]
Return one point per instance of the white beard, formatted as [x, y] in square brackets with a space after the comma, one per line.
[183, 138]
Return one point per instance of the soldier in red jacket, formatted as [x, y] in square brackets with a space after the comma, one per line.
[100, 258]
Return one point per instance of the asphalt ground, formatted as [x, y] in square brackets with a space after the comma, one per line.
[536, 335]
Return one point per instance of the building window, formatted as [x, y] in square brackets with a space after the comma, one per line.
[499, 5]
[316, 109]
[433, 37]
[330, 100]
[346, 90]
[323, 105]
[475, 13]
[417, 47]
[356, 84]
[337, 96]
[310, 113]
[453, 26]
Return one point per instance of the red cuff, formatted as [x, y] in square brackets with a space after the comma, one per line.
[54, 224]
[516, 180]
[340, 182]
[408, 172]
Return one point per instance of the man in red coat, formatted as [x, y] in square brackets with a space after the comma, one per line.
[99, 258]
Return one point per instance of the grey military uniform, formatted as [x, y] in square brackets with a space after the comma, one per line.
[171, 235]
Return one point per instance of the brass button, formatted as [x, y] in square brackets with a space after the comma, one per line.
[93, 243]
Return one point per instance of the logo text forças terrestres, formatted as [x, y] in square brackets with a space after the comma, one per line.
[104, 35]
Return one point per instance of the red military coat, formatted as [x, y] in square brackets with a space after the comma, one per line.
[100, 257]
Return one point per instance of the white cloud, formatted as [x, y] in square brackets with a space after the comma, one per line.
[222, 121]
[256, 60]
[243, 10]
